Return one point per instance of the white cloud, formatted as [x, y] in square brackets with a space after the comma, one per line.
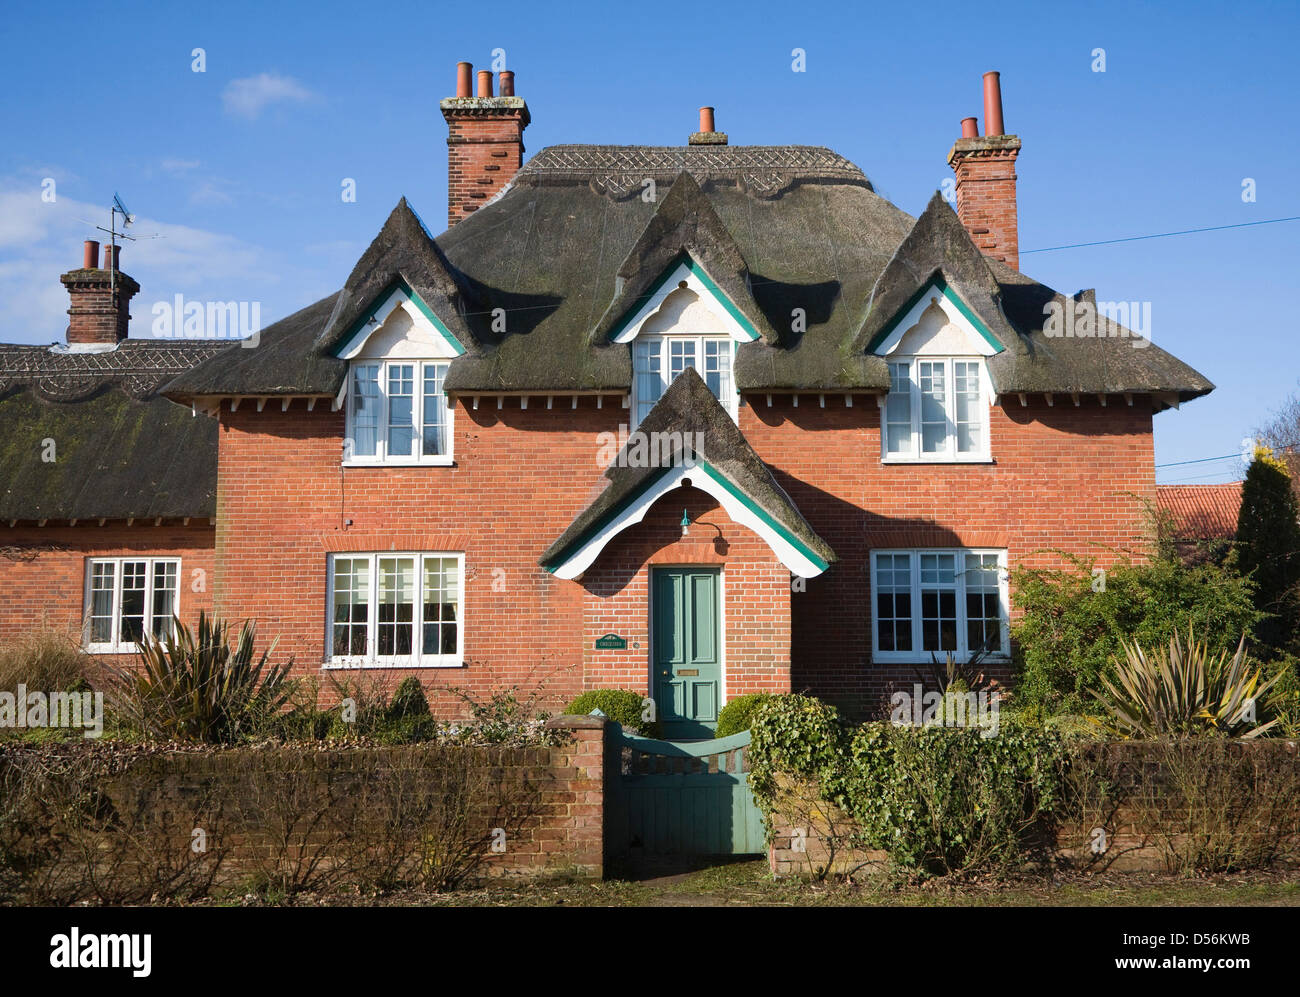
[180, 165]
[210, 192]
[247, 97]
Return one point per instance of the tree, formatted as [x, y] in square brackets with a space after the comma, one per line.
[1282, 433]
[1268, 549]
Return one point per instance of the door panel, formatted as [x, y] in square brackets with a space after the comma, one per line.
[687, 666]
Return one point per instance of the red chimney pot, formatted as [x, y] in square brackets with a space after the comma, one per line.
[507, 83]
[706, 120]
[970, 128]
[992, 104]
[90, 255]
[464, 78]
[485, 83]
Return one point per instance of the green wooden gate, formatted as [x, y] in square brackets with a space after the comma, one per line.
[682, 798]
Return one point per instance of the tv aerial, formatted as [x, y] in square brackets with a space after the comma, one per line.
[128, 219]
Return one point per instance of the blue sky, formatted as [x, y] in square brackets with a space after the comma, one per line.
[239, 168]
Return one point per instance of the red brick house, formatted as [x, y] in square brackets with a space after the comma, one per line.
[698, 421]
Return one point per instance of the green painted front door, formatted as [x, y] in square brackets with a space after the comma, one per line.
[687, 657]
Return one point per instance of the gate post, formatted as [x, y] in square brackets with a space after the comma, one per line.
[580, 789]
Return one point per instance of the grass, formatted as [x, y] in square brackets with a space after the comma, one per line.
[747, 884]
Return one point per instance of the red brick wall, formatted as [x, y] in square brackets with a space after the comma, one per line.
[283, 500]
[1065, 477]
[43, 570]
[986, 195]
[484, 152]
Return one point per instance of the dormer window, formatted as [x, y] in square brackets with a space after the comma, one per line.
[397, 413]
[937, 408]
[684, 324]
[397, 410]
[659, 360]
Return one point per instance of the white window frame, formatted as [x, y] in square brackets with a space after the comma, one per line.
[664, 340]
[962, 652]
[417, 659]
[949, 454]
[116, 646]
[381, 458]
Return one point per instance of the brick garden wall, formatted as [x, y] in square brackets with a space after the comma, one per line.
[270, 809]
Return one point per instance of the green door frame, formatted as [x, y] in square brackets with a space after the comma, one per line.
[698, 718]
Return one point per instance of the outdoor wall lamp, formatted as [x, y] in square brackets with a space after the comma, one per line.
[686, 521]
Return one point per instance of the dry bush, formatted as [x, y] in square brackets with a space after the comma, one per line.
[74, 829]
[115, 824]
[1207, 805]
[431, 812]
[47, 659]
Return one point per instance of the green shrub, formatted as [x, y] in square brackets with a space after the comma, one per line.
[624, 706]
[797, 735]
[738, 714]
[1185, 691]
[1069, 633]
[191, 686]
[402, 719]
[948, 799]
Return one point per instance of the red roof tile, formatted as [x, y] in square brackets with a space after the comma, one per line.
[1201, 512]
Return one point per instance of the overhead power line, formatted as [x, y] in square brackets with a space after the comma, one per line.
[1229, 456]
[1160, 235]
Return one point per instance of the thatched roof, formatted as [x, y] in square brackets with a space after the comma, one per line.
[120, 450]
[571, 243]
[685, 224]
[688, 407]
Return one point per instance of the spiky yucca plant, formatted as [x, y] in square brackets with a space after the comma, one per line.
[192, 686]
[1185, 691]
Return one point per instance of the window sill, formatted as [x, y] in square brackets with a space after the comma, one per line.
[909, 658]
[356, 664]
[434, 462]
[937, 460]
[109, 649]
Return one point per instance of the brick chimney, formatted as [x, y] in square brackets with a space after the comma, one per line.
[101, 298]
[986, 179]
[485, 140]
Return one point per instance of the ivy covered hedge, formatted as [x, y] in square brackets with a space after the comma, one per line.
[935, 799]
[939, 800]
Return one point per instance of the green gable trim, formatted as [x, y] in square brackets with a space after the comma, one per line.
[764, 515]
[685, 257]
[611, 514]
[358, 333]
[942, 287]
[633, 497]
